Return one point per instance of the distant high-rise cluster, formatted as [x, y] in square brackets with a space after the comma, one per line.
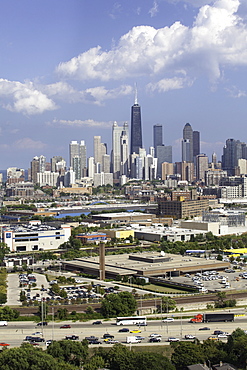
[128, 159]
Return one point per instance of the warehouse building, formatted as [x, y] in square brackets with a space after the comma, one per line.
[34, 236]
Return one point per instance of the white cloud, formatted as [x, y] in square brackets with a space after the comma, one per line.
[234, 92]
[27, 143]
[24, 98]
[95, 95]
[100, 93]
[210, 148]
[116, 10]
[167, 84]
[216, 40]
[154, 10]
[79, 123]
[195, 3]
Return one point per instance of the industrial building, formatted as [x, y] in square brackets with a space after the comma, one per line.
[151, 264]
[182, 209]
[156, 233]
[123, 217]
[34, 236]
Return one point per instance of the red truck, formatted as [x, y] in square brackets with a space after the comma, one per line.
[197, 318]
[213, 317]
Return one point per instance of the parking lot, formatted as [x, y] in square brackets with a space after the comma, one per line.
[211, 281]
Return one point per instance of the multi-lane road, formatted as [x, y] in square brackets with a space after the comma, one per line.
[15, 333]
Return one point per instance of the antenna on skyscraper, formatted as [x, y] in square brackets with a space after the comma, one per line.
[136, 94]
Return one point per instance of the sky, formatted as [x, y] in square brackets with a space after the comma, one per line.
[68, 70]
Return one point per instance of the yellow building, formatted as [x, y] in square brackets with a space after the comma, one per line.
[236, 252]
[120, 233]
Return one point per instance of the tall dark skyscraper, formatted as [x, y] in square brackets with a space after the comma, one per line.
[196, 143]
[187, 143]
[158, 137]
[136, 127]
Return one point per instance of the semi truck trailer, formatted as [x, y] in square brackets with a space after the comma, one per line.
[213, 317]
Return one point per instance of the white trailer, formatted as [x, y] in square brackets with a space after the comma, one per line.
[132, 340]
[3, 323]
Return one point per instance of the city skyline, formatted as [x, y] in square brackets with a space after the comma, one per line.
[188, 59]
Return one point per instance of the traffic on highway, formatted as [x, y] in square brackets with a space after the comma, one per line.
[108, 333]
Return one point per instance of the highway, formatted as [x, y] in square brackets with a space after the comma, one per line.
[15, 333]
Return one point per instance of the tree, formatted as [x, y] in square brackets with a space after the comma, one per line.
[186, 354]
[28, 357]
[62, 313]
[168, 304]
[4, 249]
[150, 361]
[121, 304]
[7, 313]
[96, 362]
[74, 353]
[221, 296]
[120, 358]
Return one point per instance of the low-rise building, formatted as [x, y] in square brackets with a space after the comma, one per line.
[91, 238]
[35, 236]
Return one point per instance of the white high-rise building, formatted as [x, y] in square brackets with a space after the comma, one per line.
[73, 151]
[69, 178]
[47, 178]
[120, 149]
[42, 161]
[78, 157]
[91, 167]
[124, 147]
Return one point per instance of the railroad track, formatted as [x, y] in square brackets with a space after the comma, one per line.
[147, 303]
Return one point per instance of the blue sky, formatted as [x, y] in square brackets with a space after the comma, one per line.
[68, 69]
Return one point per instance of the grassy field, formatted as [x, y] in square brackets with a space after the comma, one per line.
[163, 289]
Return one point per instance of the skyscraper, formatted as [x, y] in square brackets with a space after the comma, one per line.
[232, 151]
[136, 127]
[187, 135]
[73, 151]
[120, 149]
[78, 151]
[157, 136]
[163, 154]
[201, 167]
[196, 143]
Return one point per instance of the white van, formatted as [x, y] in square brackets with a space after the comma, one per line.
[3, 323]
[132, 340]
